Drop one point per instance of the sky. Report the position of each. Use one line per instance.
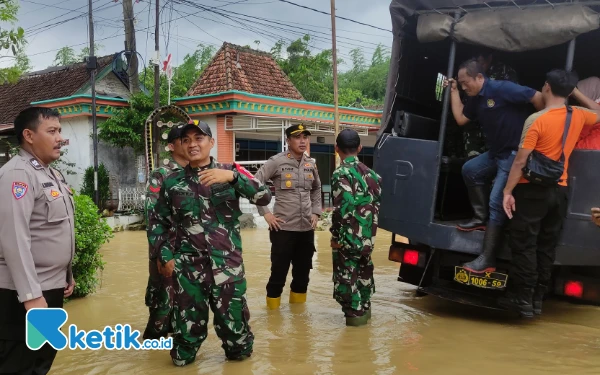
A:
(52, 24)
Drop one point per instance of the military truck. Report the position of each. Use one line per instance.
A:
(420, 150)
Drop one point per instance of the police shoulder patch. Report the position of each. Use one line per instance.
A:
(19, 189)
(35, 164)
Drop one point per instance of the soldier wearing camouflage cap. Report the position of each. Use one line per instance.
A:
(160, 291)
(203, 201)
(356, 195)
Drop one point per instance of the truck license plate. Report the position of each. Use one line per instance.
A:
(487, 280)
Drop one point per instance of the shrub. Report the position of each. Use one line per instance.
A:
(87, 188)
(91, 232)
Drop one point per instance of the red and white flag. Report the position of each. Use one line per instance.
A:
(167, 67)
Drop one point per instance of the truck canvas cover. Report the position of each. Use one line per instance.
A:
(501, 25)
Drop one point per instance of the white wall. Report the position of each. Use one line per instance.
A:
(77, 131)
(110, 85)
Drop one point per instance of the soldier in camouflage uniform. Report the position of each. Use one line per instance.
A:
(159, 292)
(356, 190)
(203, 201)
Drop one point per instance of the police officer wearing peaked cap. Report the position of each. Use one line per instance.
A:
(295, 216)
(37, 239)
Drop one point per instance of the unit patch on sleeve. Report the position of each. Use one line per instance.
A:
(19, 189)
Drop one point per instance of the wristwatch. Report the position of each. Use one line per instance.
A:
(235, 176)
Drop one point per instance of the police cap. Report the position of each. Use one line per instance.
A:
(296, 129)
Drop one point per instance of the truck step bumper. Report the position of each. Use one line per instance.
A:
(466, 298)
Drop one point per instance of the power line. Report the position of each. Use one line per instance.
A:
(329, 14)
(265, 33)
(231, 13)
(44, 24)
(36, 31)
(201, 29)
(45, 6)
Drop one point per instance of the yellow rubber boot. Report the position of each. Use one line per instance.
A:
(297, 297)
(273, 303)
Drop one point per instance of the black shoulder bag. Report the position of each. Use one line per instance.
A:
(542, 170)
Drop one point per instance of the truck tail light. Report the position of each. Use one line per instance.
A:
(573, 289)
(411, 257)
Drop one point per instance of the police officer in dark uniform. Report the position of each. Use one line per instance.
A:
(297, 209)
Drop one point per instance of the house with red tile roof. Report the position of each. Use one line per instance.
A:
(248, 101)
(67, 88)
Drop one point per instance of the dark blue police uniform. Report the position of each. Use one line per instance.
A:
(501, 107)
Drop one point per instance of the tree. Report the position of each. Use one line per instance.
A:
(313, 74)
(184, 75)
(66, 55)
(11, 39)
(126, 127)
(85, 52)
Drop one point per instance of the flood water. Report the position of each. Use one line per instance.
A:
(405, 335)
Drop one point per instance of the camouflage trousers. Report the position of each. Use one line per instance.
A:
(353, 282)
(159, 299)
(196, 292)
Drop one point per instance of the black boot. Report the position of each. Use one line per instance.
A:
(486, 262)
(538, 297)
(518, 300)
(479, 196)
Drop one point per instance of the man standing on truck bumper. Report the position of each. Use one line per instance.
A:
(501, 107)
(537, 211)
(297, 209)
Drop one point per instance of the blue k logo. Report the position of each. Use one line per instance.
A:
(43, 325)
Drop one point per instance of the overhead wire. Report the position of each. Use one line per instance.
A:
(258, 30)
(231, 14)
(329, 14)
(36, 31)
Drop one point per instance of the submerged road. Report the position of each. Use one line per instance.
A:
(406, 334)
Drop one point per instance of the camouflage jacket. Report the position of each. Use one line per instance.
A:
(205, 219)
(356, 196)
(153, 188)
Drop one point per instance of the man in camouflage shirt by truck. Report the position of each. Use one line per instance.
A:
(203, 202)
(356, 192)
(160, 291)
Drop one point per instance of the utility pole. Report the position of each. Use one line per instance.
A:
(91, 66)
(132, 59)
(157, 62)
(155, 134)
(336, 117)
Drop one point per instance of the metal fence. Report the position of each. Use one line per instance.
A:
(131, 198)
